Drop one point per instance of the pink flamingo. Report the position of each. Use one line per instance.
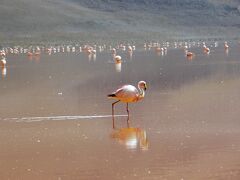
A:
(127, 94)
(3, 62)
(206, 49)
(189, 53)
(226, 45)
(118, 59)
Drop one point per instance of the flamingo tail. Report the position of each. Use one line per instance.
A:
(111, 95)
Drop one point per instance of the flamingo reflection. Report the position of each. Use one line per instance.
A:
(130, 52)
(4, 72)
(34, 55)
(130, 55)
(118, 67)
(226, 51)
(226, 47)
(132, 138)
(91, 53)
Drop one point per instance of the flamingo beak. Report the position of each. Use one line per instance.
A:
(145, 88)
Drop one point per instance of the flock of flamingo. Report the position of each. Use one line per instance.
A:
(126, 93)
(91, 50)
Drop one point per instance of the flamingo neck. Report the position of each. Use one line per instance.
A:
(141, 93)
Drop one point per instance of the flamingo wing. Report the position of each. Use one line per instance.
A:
(126, 93)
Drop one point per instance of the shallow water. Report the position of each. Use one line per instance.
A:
(56, 119)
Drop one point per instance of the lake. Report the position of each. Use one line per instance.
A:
(56, 118)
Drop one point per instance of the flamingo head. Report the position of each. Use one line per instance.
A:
(142, 85)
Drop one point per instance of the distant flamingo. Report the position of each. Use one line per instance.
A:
(2, 53)
(127, 94)
(130, 49)
(114, 52)
(3, 62)
(159, 49)
(130, 52)
(206, 49)
(188, 54)
(118, 59)
(226, 45)
(145, 46)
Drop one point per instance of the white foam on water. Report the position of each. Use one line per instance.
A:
(56, 118)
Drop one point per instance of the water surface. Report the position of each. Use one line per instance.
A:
(56, 119)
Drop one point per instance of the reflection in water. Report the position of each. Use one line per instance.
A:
(35, 57)
(207, 52)
(40, 122)
(160, 53)
(94, 57)
(130, 55)
(91, 57)
(132, 138)
(226, 51)
(4, 72)
(118, 67)
(189, 58)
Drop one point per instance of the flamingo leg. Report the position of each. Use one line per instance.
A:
(113, 112)
(128, 114)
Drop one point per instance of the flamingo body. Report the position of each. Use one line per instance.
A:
(226, 45)
(189, 54)
(3, 62)
(126, 93)
(118, 59)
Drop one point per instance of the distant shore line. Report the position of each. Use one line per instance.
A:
(101, 40)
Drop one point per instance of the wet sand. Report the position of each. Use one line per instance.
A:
(56, 120)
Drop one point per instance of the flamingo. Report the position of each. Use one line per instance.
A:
(226, 45)
(127, 94)
(2, 54)
(130, 49)
(3, 62)
(118, 59)
(114, 52)
(189, 55)
(159, 49)
(206, 49)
